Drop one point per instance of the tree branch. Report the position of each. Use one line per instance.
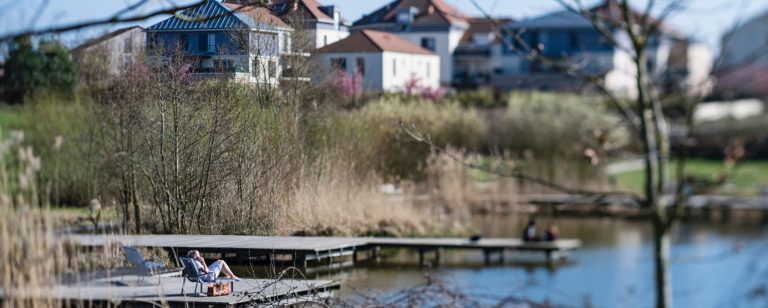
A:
(107, 21)
(534, 55)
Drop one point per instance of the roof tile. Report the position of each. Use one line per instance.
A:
(374, 41)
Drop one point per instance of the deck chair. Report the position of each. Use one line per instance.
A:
(145, 266)
(192, 273)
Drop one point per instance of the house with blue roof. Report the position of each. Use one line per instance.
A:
(569, 37)
(243, 42)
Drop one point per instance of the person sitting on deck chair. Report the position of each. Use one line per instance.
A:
(217, 267)
(551, 234)
(529, 234)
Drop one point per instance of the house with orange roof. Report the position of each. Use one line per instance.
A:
(230, 40)
(383, 61)
(323, 24)
(431, 24)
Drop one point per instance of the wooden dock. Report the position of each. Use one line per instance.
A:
(302, 249)
(133, 291)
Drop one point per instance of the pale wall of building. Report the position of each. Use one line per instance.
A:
(445, 43)
(390, 71)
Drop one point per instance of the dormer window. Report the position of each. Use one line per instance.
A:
(405, 17)
(279, 7)
(428, 43)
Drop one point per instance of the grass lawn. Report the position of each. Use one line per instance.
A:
(10, 118)
(746, 179)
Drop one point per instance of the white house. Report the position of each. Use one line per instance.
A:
(570, 37)
(384, 61)
(432, 24)
(324, 24)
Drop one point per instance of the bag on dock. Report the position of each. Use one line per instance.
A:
(219, 289)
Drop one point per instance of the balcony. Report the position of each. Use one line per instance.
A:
(465, 79)
(473, 50)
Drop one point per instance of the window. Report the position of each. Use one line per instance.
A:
(242, 40)
(255, 71)
(273, 68)
(202, 42)
(325, 40)
(211, 42)
(128, 46)
(573, 40)
(222, 65)
(361, 66)
(394, 67)
(152, 40)
(428, 43)
(339, 63)
(183, 42)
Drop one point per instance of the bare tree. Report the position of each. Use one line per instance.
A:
(645, 117)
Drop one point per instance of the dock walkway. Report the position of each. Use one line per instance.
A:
(303, 249)
(133, 291)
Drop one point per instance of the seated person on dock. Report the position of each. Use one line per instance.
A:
(551, 234)
(529, 234)
(214, 269)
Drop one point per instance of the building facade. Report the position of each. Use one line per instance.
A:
(323, 24)
(570, 39)
(383, 61)
(743, 69)
(109, 55)
(243, 42)
(432, 24)
(478, 54)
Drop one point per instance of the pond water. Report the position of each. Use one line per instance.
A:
(713, 265)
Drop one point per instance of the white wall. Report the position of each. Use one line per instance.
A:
(373, 78)
(621, 79)
(380, 74)
(331, 36)
(699, 69)
(425, 68)
(445, 43)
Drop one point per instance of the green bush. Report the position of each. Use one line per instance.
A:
(377, 141)
(485, 97)
(558, 126)
(62, 130)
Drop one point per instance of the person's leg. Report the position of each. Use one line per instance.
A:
(227, 271)
(215, 268)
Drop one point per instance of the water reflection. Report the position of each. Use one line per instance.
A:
(712, 266)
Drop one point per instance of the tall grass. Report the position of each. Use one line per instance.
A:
(383, 146)
(30, 255)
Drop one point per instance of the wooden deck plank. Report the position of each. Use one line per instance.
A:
(319, 245)
(157, 290)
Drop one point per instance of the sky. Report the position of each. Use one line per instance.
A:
(703, 20)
